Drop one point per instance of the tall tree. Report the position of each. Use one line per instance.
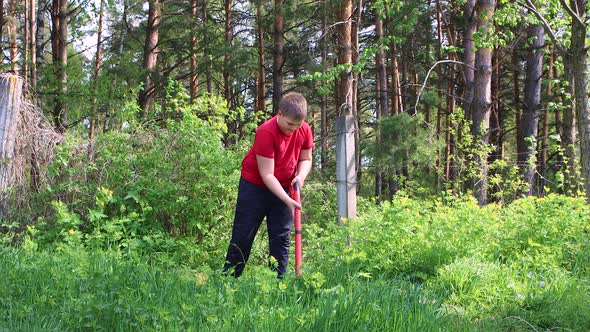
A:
(59, 45)
(579, 51)
(529, 122)
(576, 66)
(96, 73)
(150, 56)
(11, 29)
(324, 101)
(278, 56)
(344, 43)
(40, 35)
(26, 44)
(33, 42)
(469, 55)
(206, 48)
(482, 99)
(260, 104)
(382, 107)
(194, 83)
(227, 86)
(1, 25)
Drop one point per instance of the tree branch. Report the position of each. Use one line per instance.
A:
(572, 13)
(428, 75)
(531, 6)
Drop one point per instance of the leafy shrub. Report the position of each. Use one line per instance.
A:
(178, 179)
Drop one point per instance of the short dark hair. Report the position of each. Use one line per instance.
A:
(293, 105)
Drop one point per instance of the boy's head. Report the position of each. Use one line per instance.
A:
(294, 106)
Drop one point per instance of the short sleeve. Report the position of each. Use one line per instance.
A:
(264, 144)
(308, 142)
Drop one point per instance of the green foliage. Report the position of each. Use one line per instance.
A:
(177, 179)
(445, 264)
(405, 140)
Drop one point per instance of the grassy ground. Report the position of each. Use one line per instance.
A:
(405, 266)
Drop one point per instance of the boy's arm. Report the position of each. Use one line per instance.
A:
(266, 167)
(303, 167)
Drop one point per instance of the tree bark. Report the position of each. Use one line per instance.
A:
(278, 56)
(40, 35)
(382, 107)
(150, 57)
(260, 77)
(580, 65)
(469, 55)
(206, 50)
(194, 85)
(59, 45)
(529, 123)
(569, 133)
(544, 144)
(324, 105)
(33, 42)
(26, 42)
(344, 31)
(496, 121)
(228, 36)
(1, 25)
(96, 73)
(11, 29)
(482, 99)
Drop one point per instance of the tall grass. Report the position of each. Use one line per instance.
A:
(78, 290)
(408, 265)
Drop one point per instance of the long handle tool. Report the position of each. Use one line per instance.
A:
(297, 220)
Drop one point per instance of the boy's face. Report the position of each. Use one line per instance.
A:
(288, 124)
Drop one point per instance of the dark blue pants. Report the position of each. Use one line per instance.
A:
(254, 203)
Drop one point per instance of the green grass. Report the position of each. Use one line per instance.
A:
(76, 290)
(405, 266)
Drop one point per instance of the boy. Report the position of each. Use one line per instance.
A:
(280, 156)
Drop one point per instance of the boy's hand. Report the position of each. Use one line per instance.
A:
(292, 204)
(299, 180)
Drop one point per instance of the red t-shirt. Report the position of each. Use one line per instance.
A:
(271, 142)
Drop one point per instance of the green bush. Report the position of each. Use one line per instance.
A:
(178, 179)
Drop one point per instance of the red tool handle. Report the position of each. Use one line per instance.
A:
(297, 220)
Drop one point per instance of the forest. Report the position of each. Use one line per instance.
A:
(123, 124)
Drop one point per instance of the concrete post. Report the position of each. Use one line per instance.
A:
(10, 98)
(345, 168)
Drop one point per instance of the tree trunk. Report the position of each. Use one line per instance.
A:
(324, 106)
(482, 99)
(11, 29)
(469, 55)
(59, 45)
(33, 42)
(496, 125)
(529, 122)
(278, 57)
(344, 31)
(40, 38)
(26, 42)
(356, 101)
(10, 99)
(150, 57)
(580, 64)
(97, 67)
(1, 25)
(382, 107)
(228, 36)
(194, 85)
(542, 169)
(260, 77)
(206, 50)
(568, 132)
(451, 101)
(396, 92)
